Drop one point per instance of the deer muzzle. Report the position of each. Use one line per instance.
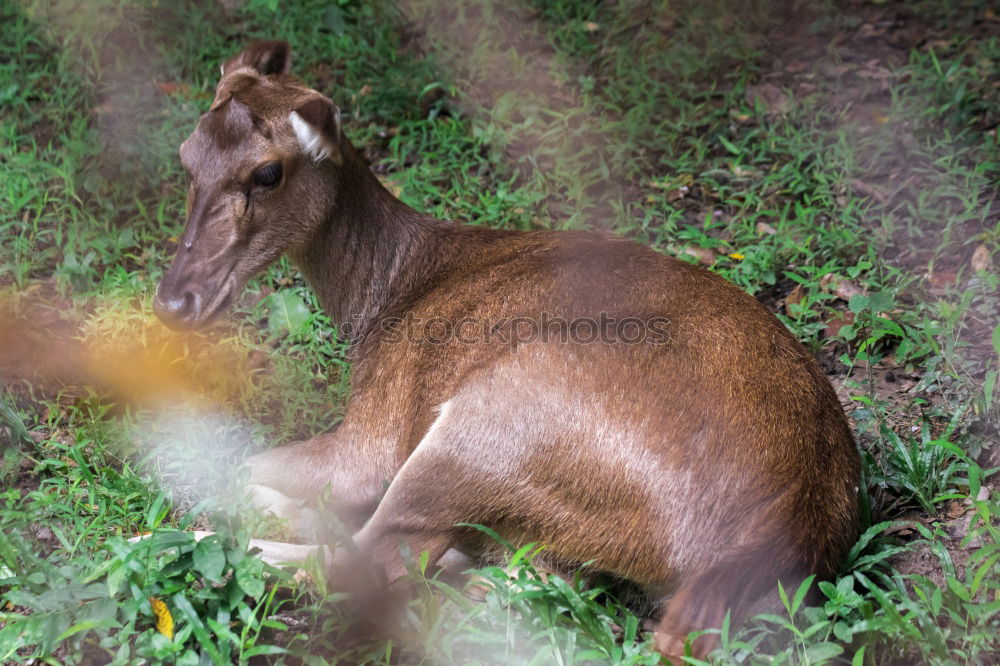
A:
(184, 303)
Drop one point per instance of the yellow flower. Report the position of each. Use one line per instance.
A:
(164, 620)
(737, 256)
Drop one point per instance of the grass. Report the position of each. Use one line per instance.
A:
(857, 218)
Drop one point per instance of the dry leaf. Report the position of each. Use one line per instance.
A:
(703, 254)
(794, 297)
(836, 71)
(981, 259)
(904, 524)
(837, 321)
(772, 98)
(867, 189)
(876, 72)
(847, 289)
(172, 87)
(678, 194)
(943, 278)
(765, 228)
(590, 26)
(954, 509)
(936, 45)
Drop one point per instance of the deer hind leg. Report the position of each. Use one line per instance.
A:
(731, 586)
(415, 516)
(441, 484)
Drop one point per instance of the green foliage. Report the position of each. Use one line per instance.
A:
(644, 127)
(102, 609)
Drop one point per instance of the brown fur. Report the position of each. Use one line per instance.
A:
(704, 468)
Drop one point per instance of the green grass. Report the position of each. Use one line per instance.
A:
(857, 227)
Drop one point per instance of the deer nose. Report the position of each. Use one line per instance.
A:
(176, 310)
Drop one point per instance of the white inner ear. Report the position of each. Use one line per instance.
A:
(311, 141)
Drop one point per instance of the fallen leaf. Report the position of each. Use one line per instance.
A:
(772, 99)
(942, 278)
(904, 524)
(954, 509)
(981, 259)
(876, 73)
(794, 297)
(867, 189)
(937, 44)
(590, 26)
(172, 87)
(836, 71)
(765, 228)
(847, 289)
(837, 321)
(704, 255)
(678, 194)
(957, 528)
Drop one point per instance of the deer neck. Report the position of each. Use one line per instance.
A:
(371, 251)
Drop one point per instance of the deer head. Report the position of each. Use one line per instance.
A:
(259, 165)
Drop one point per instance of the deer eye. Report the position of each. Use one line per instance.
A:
(268, 175)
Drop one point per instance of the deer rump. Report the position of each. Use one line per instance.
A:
(572, 389)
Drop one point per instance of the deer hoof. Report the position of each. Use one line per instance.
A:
(670, 645)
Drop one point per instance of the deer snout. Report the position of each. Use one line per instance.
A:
(179, 310)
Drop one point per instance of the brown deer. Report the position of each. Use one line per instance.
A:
(582, 391)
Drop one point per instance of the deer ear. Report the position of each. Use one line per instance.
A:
(267, 57)
(317, 127)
